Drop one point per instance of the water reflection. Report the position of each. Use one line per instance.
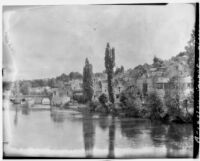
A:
(57, 116)
(132, 128)
(111, 153)
(103, 121)
(16, 116)
(88, 134)
(100, 133)
(25, 109)
(179, 138)
(158, 133)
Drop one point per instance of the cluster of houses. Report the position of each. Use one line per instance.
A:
(156, 79)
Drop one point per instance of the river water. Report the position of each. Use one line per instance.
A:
(70, 133)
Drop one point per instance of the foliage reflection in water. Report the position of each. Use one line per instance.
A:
(96, 135)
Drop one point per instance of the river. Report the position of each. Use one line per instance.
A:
(70, 133)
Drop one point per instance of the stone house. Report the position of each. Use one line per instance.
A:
(145, 85)
(183, 88)
(76, 84)
(97, 87)
(46, 101)
(161, 85)
(119, 87)
(104, 87)
(61, 95)
(101, 86)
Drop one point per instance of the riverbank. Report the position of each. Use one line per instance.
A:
(143, 113)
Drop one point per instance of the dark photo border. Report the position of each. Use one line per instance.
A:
(196, 92)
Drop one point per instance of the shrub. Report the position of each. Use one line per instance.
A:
(172, 104)
(79, 98)
(155, 106)
(93, 105)
(103, 99)
(131, 102)
(179, 109)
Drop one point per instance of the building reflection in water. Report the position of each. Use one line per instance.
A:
(57, 116)
(25, 109)
(103, 121)
(16, 115)
(88, 134)
(111, 147)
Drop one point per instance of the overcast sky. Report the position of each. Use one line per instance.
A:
(46, 41)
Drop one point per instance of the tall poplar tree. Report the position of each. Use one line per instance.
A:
(87, 81)
(109, 65)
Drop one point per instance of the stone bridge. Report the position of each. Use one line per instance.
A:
(37, 99)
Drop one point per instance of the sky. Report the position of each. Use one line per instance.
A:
(46, 41)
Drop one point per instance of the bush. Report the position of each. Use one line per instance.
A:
(93, 105)
(178, 109)
(155, 106)
(172, 105)
(131, 102)
(103, 99)
(79, 98)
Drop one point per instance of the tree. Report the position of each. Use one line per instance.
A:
(75, 75)
(109, 65)
(25, 88)
(157, 62)
(190, 50)
(87, 81)
(6, 85)
(103, 100)
(138, 71)
(131, 101)
(155, 106)
(63, 77)
(119, 70)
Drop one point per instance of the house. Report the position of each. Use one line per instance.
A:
(184, 87)
(61, 95)
(119, 86)
(46, 101)
(76, 84)
(145, 85)
(38, 100)
(97, 87)
(161, 85)
(153, 81)
(104, 87)
(101, 86)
